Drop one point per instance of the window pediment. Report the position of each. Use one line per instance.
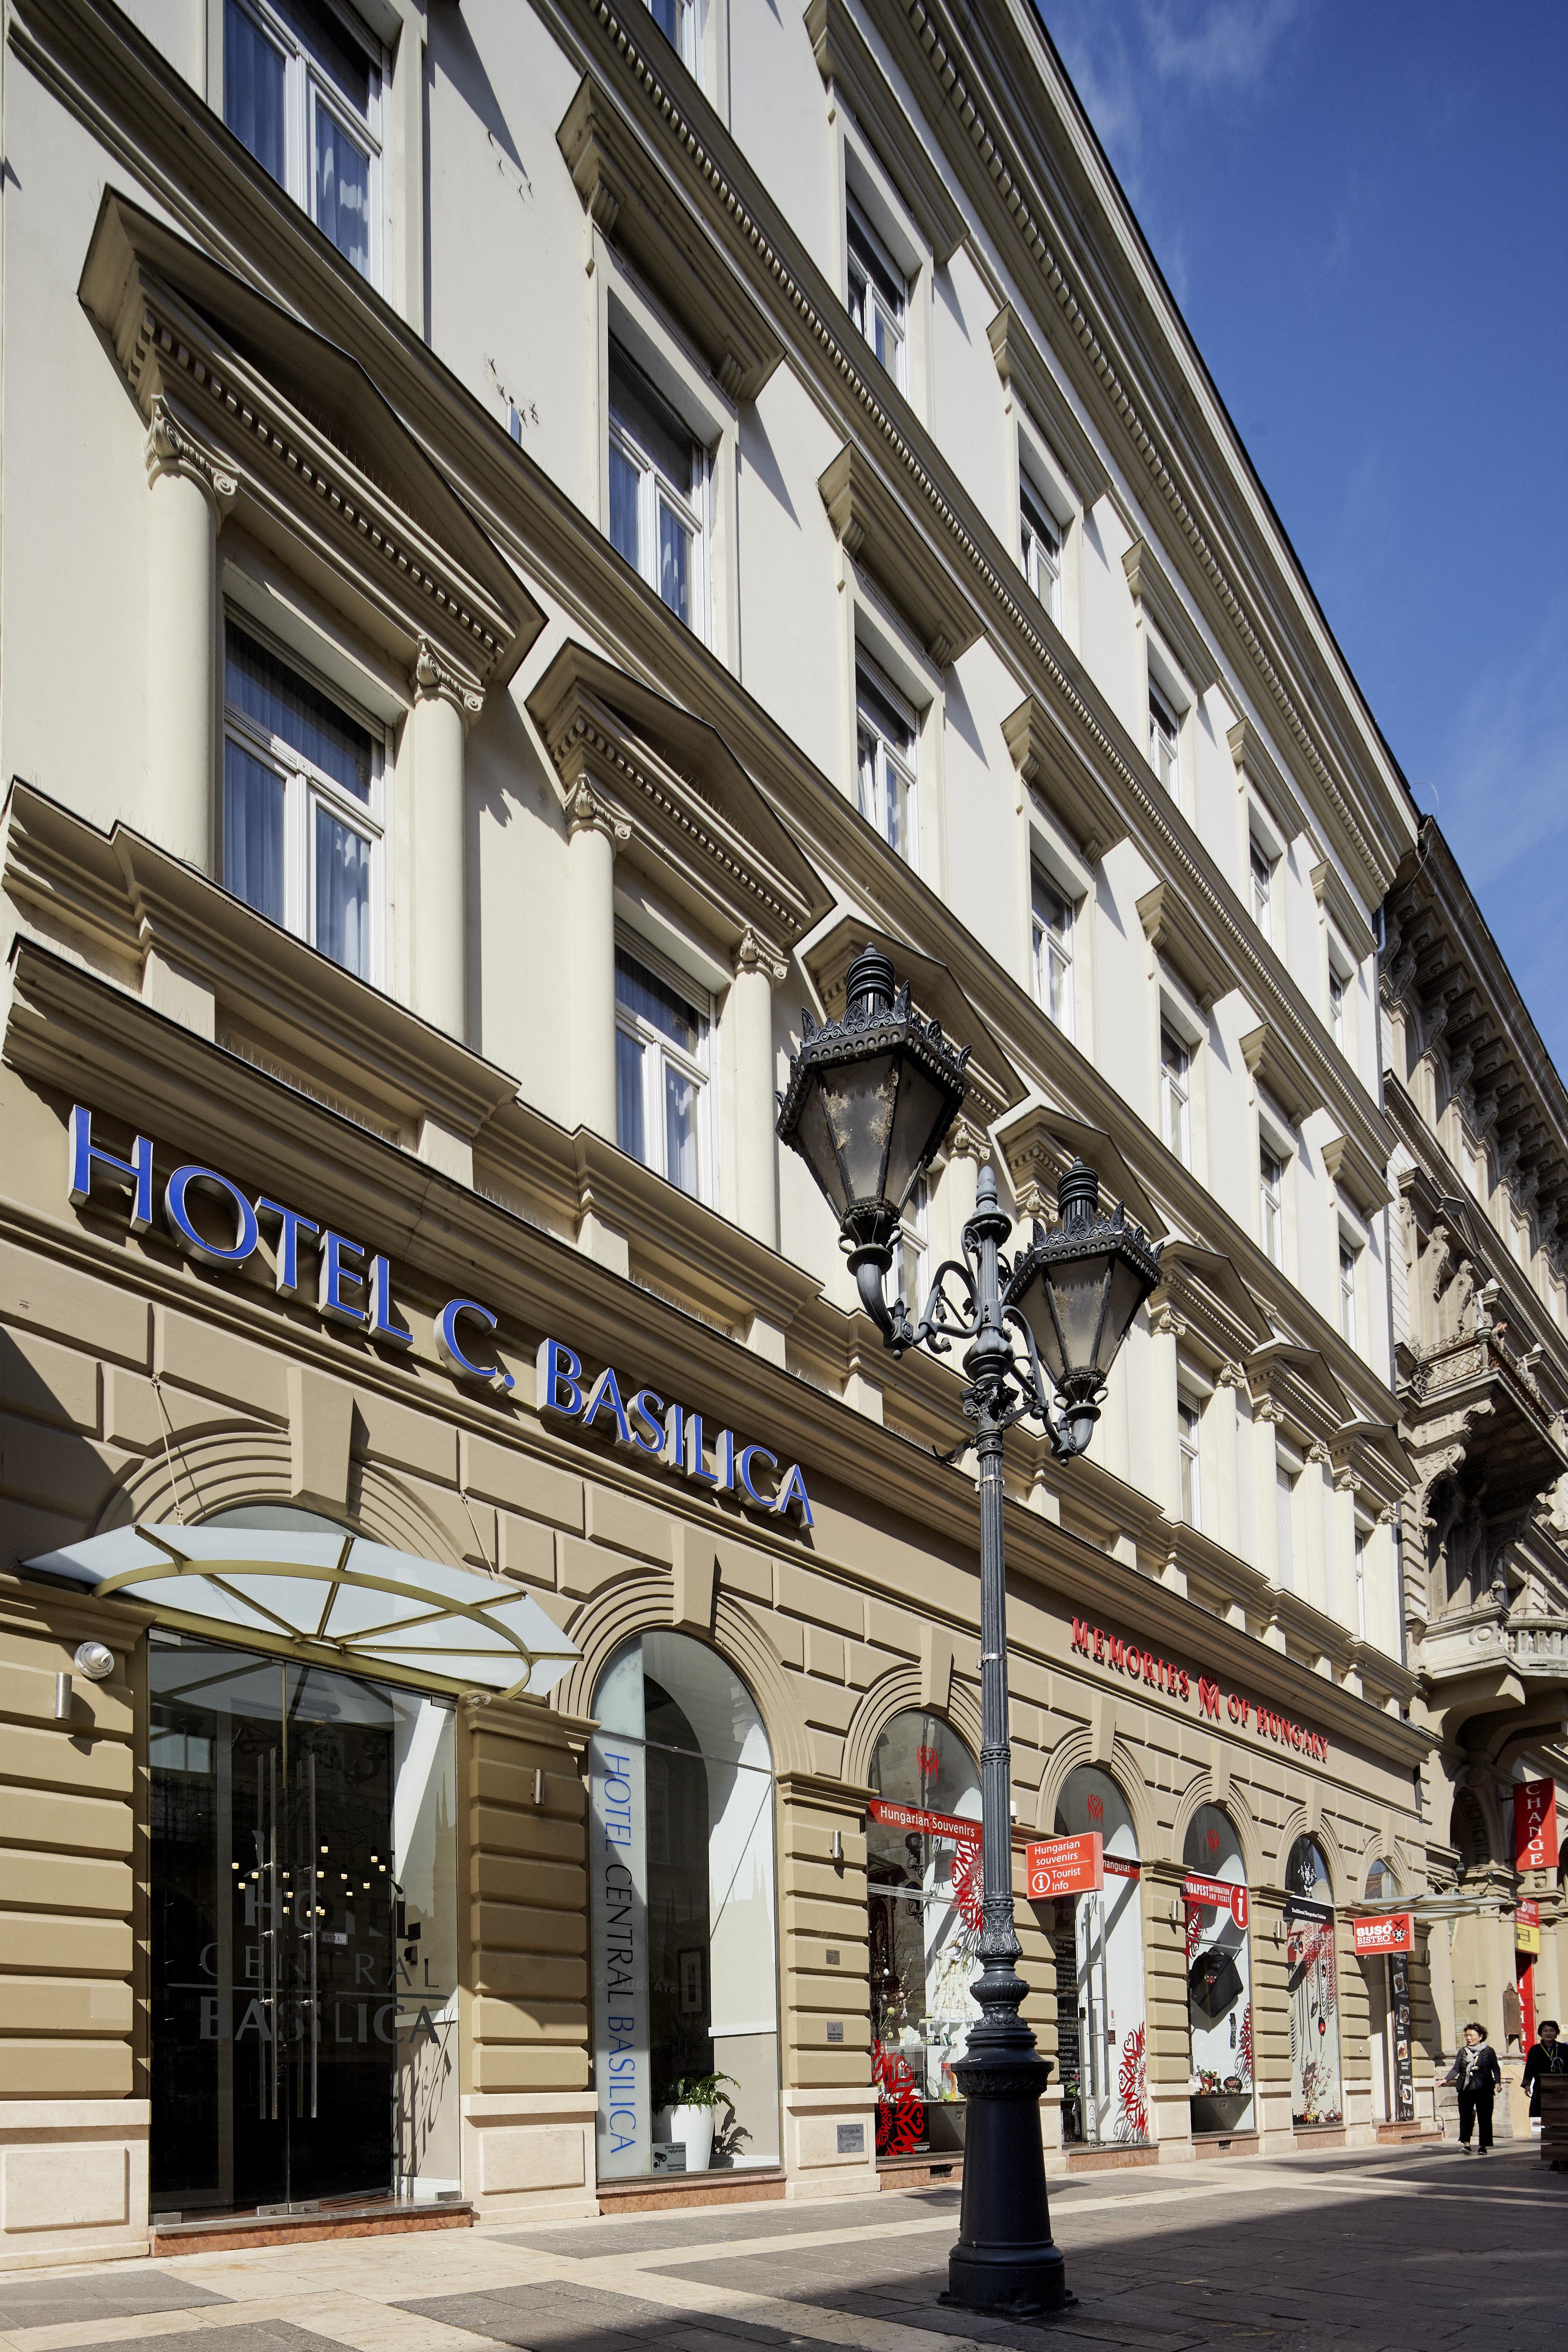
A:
(294, 431)
(1042, 1142)
(1152, 588)
(1050, 765)
(1024, 371)
(673, 781)
(1352, 1170)
(643, 216)
(1205, 1290)
(1179, 939)
(1282, 1072)
(870, 524)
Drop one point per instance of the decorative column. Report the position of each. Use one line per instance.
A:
(444, 707)
(190, 491)
(968, 1149)
(1229, 1381)
(592, 834)
(758, 969)
(1266, 1416)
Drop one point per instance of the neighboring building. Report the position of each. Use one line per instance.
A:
(530, 534)
(1480, 1319)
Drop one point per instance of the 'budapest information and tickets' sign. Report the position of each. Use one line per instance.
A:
(1217, 1894)
(1065, 1866)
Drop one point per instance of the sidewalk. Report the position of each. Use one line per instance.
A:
(1408, 2249)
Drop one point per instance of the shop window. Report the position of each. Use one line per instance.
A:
(879, 295)
(1052, 928)
(1042, 541)
(658, 492)
(1313, 1987)
(302, 89)
(1177, 1093)
(923, 1890)
(684, 1937)
(1219, 1975)
(887, 732)
(303, 823)
(661, 1073)
(303, 1929)
(1099, 1944)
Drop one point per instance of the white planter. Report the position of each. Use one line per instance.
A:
(695, 2126)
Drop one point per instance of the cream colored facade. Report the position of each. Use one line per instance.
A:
(400, 481)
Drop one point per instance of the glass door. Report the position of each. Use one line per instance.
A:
(303, 1936)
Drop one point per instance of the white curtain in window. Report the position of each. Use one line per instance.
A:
(343, 894)
(253, 802)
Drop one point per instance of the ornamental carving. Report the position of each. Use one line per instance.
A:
(172, 449)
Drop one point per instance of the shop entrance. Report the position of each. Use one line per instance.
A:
(1099, 1944)
(1313, 1987)
(303, 1936)
(1219, 1976)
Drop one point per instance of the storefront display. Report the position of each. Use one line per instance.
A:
(303, 1932)
(1098, 1945)
(922, 1839)
(681, 1865)
(1313, 1987)
(1219, 1975)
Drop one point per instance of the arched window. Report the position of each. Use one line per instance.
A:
(1098, 1945)
(923, 1865)
(1219, 1975)
(1312, 1985)
(681, 1864)
(1381, 1882)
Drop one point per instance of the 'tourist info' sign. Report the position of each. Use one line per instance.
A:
(1142, 1665)
(353, 1287)
(1065, 1866)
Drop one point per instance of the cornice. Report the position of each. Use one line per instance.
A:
(1351, 1170)
(1282, 1072)
(1181, 941)
(1051, 765)
(942, 74)
(1153, 591)
(1359, 938)
(625, 193)
(1255, 761)
(876, 532)
(845, 62)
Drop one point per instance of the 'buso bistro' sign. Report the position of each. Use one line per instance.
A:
(1141, 1666)
(355, 1288)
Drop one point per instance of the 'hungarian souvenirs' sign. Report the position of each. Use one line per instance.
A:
(1065, 1866)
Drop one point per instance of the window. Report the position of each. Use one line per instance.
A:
(1271, 1203)
(879, 295)
(677, 20)
(1042, 540)
(1163, 733)
(303, 827)
(1052, 925)
(886, 729)
(1337, 1007)
(1285, 1506)
(1188, 1426)
(304, 92)
(1262, 890)
(910, 1244)
(1175, 1094)
(1361, 1591)
(661, 1074)
(658, 484)
(1347, 1292)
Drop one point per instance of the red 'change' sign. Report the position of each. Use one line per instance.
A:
(1535, 1825)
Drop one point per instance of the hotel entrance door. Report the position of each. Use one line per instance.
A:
(303, 1937)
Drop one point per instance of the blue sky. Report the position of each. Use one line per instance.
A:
(1359, 206)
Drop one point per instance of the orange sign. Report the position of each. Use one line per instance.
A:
(1535, 1825)
(1393, 1933)
(1217, 1894)
(1065, 1866)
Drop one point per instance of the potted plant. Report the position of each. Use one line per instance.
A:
(694, 2101)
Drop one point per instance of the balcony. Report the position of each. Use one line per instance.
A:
(1471, 1393)
(1504, 1679)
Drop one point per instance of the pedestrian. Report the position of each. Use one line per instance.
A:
(1478, 2078)
(1548, 2055)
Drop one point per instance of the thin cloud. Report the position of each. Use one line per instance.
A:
(1225, 45)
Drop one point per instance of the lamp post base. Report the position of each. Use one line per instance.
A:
(1006, 2261)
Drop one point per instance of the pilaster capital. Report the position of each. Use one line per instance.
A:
(1167, 1324)
(967, 1142)
(1230, 1375)
(173, 448)
(1268, 1409)
(1346, 1480)
(433, 679)
(587, 811)
(1319, 1453)
(755, 953)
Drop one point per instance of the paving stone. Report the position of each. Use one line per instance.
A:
(115, 2291)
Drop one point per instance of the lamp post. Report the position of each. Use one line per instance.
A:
(869, 1099)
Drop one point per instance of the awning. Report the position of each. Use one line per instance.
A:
(350, 1602)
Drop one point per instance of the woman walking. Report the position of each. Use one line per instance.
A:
(1478, 2078)
(1548, 2055)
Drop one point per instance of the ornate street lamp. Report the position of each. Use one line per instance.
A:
(870, 1100)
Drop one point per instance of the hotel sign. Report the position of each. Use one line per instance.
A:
(216, 1224)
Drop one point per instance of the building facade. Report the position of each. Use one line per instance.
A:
(1480, 1317)
(588, 517)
